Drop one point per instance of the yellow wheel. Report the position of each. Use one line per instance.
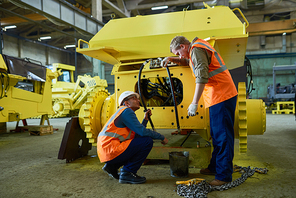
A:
(108, 109)
(60, 107)
(242, 117)
(90, 114)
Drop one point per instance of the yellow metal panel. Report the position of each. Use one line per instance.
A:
(103, 54)
(45, 107)
(25, 95)
(2, 63)
(57, 66)
(232, 50)
(144, 37)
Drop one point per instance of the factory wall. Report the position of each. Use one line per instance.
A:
(262, 70)
(25, 49)
(264, 57)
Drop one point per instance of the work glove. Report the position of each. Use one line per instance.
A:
(164, 62)
(192, 109)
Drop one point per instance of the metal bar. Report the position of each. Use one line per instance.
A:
(267, 54)
(274, 86)
(174, 99)
(287, 95)
(186, 138)
(284, 67)
(114, 8)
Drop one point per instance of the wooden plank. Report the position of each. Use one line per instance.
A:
(40, 129)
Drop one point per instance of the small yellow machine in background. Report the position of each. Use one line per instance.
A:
(68, 96)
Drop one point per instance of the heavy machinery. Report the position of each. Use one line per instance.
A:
(136, 46)
(25, 89)
(68, 96)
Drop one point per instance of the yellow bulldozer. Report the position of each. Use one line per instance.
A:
(25, 89)
(67, 95)
(136, 46)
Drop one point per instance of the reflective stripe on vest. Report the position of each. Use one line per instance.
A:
(216, 71)
(115, 135)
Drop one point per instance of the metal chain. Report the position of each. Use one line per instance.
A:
(201, 189)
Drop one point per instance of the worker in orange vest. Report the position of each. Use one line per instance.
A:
(214, 82)
(124, 141)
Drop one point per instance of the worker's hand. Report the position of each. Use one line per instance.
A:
(192, 109)
(165, 62)
(165, 141)
(148, 113)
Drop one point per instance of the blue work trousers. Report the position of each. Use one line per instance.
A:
(135, 154)
(222, 132)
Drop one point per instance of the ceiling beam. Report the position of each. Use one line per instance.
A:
(269, 11)
(65, 13)
(16, 20)
(114, 8)
(41, 24)
(272, 27)
(122, 6)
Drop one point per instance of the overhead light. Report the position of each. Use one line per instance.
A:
(284, 33)
(69, 46)
(9, 27)
(159, 7)
(45, 37)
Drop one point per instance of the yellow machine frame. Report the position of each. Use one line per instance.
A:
(128, 43)
(20, 104)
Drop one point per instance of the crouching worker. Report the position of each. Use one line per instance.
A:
(124, 141)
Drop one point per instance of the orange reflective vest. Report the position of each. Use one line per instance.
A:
(112, 141)
(220, 86)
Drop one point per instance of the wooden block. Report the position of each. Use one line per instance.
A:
(40, 129)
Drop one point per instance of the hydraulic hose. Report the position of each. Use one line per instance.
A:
(174, 99)
(141, 96)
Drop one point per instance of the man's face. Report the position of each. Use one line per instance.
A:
(133, 103)
(182, 52)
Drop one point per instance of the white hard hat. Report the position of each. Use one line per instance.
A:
(125, 95)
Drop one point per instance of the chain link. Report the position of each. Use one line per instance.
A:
(202, 189)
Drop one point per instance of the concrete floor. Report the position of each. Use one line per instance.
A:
(30, 168)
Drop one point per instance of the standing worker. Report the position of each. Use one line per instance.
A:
(214, 81)
(124, 141)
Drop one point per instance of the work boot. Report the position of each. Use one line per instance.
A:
(111, 171)
(217, 182)
(206, 171)
(130, 178)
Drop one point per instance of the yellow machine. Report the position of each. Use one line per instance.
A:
(67, 95)
(143, 41)
(25, 89)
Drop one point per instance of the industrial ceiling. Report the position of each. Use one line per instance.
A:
(58, 23)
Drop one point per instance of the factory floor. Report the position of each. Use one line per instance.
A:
(30, 168)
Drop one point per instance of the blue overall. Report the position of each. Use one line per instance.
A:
(139, 148)
(222, 132)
